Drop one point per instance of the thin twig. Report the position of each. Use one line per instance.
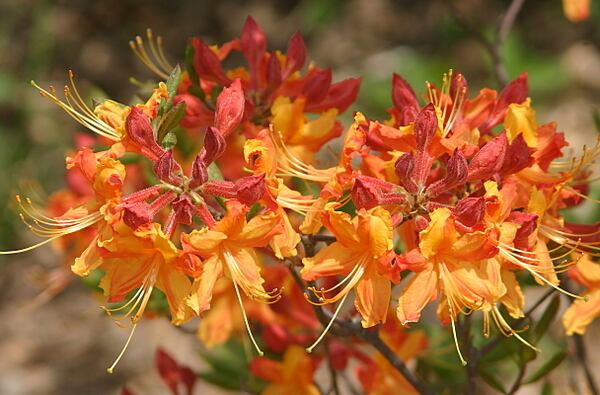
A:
(518, 381)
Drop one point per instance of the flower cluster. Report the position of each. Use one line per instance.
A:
(215, 190)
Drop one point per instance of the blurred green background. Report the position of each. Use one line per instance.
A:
(41, 40)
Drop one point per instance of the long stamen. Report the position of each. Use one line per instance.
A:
(331, 321)
(508, 331)
(252, 339)
(451, 311)
(351, 279)
(158, 63)
(112, 367)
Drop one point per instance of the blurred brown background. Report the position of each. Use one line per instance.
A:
(65, 346)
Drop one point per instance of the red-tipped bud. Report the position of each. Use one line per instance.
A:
(341, 95)
(196, 113)
(250, 189)
(489, 160)
(137, 214)
(199, 170)
(316, 85)
(403, 95)
(253, 42)
(458, 86)
(273, 73)
(469, 212)
(365, 194)
(140, 131)
(214, 145)
(167, 169)
(518, 156)
(528, 224)
(296, 54)
(457, 172)
(404, 170)
(425, 127)
(207, 63)
(230, 108)
(184, 210)
(226, 189)
(409, 115)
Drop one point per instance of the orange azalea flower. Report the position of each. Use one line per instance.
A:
(576, 10)
(228, 249)
(361, 243)
(293, 375)
(583, 311)
(104, 174)
(456, 265)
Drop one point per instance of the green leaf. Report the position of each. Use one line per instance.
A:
(228, 359)
(214, 173)
(221, 379)
(547, 367)
(169, 141)
(170, 120)
(189, 66)
(173, 81)
(541, 326)
(491, 379)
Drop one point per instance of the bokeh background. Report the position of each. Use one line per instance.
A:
(64, 346)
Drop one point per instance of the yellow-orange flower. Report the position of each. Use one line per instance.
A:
(361, 242)
(583, 311)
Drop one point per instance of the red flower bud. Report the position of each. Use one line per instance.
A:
(457, 172)
(403, 95)
(518, 156)
(316, 84)
(174, 375)
(199, 170)
(250, 189)
(137, 214)
(230, 108)
(140, 132)
(365, 194)
(489, 160)
(469, 212)
(184, 210)
(295, 55)
(340, 95)
(425, 127)
(404, 170)
(196, 113)
(207, 63)
(167, 169)
(214, 145)
(225, 189)
(421, 223)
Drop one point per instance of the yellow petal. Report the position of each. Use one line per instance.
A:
(373, 299)
(340, 224)
(513, 299)
(439, 236)
(520, 118)
(176, 287)
(205, 241)
(259, 231)
(375, 231)
(284, 244)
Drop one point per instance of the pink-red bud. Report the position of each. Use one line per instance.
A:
(250, 189)
(469, 212)
(137, 214)
(489, 160)
(230, 108)
(425, 127)
(295, 55)
(403, 95)
(404, 170)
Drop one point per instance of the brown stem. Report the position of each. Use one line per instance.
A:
(518, 381)
(582, 356)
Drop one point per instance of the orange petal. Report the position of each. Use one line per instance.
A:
(340, 224)
(202, 289)
(284, 244)
(375, 231)
(421, 290)
(259, 231)
(373, 299)
(332, 260)
(176, 287)
(513, 299)
(204, 241)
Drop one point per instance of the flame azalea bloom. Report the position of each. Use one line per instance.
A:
(361, 243)
(582, 312)
(293, 375)
(228, 249)
(457, 267)
(576, 10)
(104, 174)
